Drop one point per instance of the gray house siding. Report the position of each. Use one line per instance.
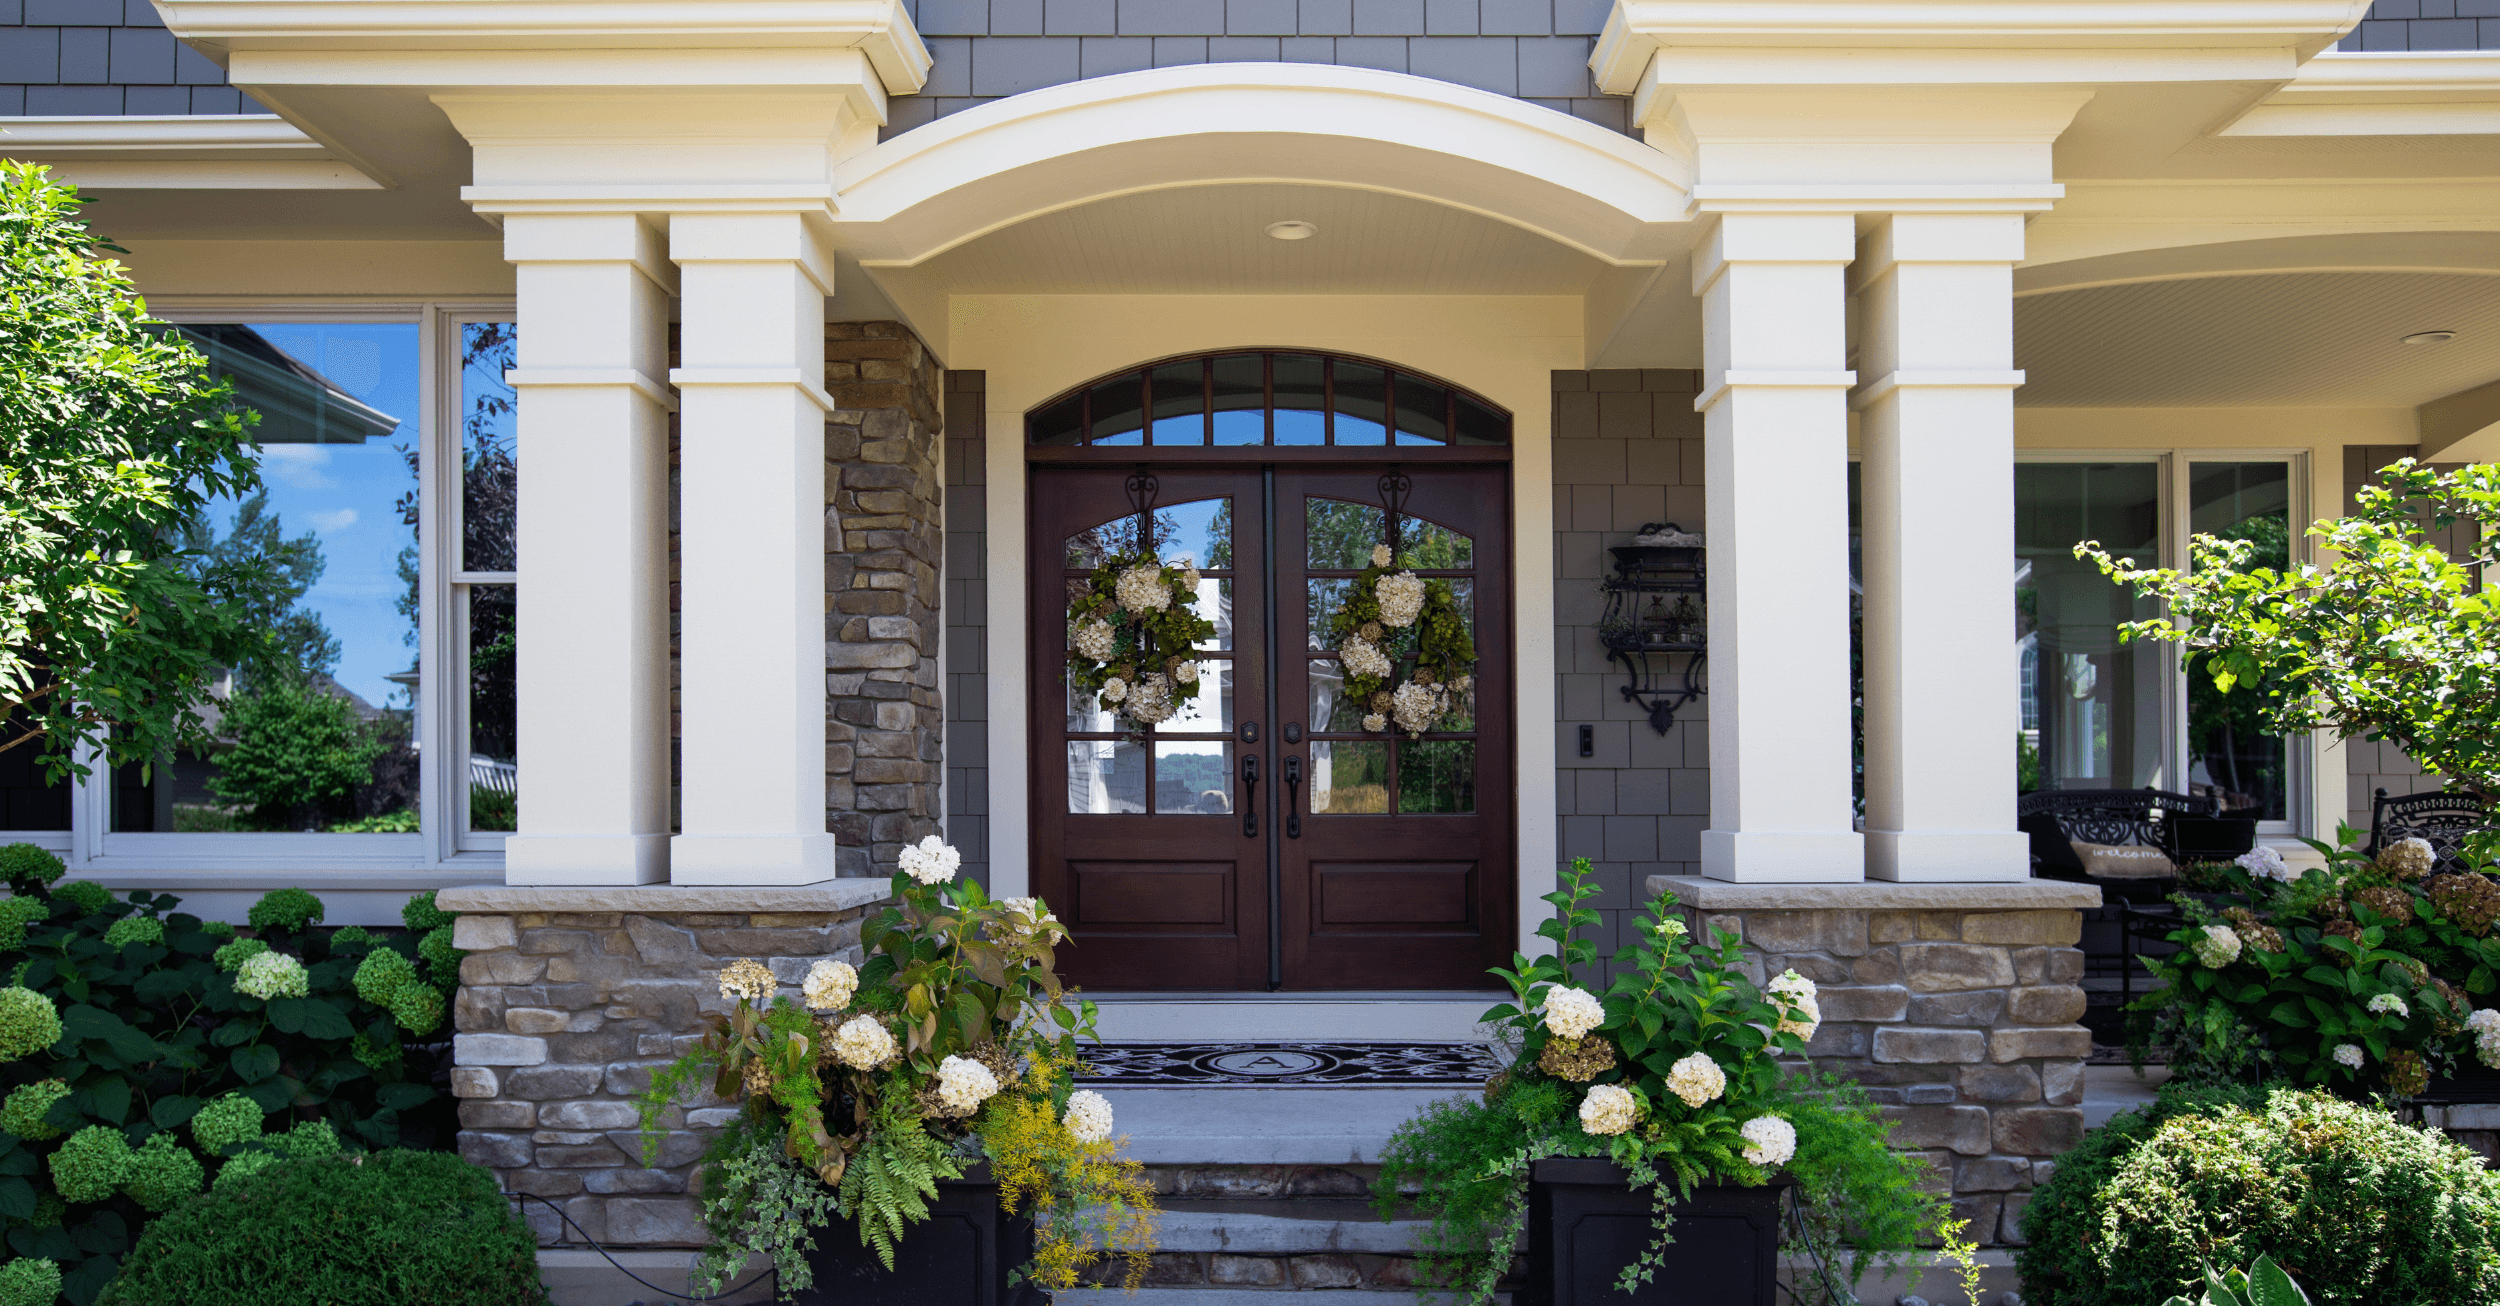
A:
(1535, 50)
(2428, 25)
(1627, 451)
(965, 671)
(96, 58)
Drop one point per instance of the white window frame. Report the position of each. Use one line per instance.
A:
(443, 854)
(2172, 547)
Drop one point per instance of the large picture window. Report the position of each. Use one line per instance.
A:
(373, 730)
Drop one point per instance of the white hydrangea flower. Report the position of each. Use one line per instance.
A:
(1570, 1012)
(1151, 701)
(2219, 948)
(1401, 599)
(1362, 659)
(1095, 640)
(270, 975)
(1026, 916)
(2487, 1050)
(829, 985)
(1375, 723)
(2348, 1055)
(1696, 1079)
(746, 978)
(964, 1085)
(1380, 555)
(2266, 863)
(2484, 1020)
(1191, 578)
(1184, 673)
(1142, 589)
(1800, 1012)
(1769, 1140)
(1088, 1118)
(930, 861)
(1673, 927)
(1114, 689)
(1463, 684)
(863, 1043)
(1416, 707)
(2389, 1002)
(1609, 1109)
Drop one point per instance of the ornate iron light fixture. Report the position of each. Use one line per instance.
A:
(1656, 612)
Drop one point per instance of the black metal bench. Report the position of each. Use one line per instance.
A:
(2441, 818)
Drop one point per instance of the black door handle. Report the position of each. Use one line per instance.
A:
(1293, 797)
(1250, 796)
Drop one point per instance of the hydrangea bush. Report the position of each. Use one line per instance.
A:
(956, 1044)
(1676, 1074)
(146, 1054)
(2363, 975)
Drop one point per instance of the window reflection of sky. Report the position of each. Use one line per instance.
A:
(347, 494)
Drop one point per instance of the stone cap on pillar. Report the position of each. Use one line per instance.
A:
(1876, 895)
(653, 899)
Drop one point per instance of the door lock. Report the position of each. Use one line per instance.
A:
(1293, 797)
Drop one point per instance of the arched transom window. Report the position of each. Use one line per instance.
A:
(1268, 398)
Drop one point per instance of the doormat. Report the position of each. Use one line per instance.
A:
(1267, 1065)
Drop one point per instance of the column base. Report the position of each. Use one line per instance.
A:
(555, 859)
(1783, 857)
(1948, 856)
(751, 858)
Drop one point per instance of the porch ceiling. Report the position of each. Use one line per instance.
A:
(2271, 339)
(1212, 240)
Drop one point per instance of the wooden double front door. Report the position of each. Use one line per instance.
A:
(1262, 838)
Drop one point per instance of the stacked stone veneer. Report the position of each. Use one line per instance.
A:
(1955, 1005)
(571, 999)
(884, 539)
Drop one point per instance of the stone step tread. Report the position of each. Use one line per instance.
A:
(1204, 1296)
(1265, 1234)
(1264, 1126)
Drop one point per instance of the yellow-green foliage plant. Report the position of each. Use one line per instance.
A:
(956, 1044)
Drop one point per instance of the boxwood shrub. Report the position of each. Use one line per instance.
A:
(144, 1053)
(2359, 1207)
(392, 1228)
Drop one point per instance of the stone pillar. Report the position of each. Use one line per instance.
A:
(1936, 346)
(1954, 1004)
(1775, 439)
(752, 514)
(884, 541)
(593, 665)
(570, 1000)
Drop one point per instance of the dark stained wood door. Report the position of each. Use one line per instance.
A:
(1359, 861)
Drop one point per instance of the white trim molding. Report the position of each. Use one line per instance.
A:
(181, 152)
(2427, 93)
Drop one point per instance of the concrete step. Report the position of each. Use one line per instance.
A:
(1284, 1227)
(1250, 1297)
(1264, 1126)
(1290, 1018)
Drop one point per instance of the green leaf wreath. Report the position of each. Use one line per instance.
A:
(1133, 636)
(1394, 617)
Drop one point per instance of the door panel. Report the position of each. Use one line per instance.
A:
(1388, 859)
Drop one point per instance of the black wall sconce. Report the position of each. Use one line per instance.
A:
(1657, 612)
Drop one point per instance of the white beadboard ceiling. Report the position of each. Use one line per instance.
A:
(1212, 240)
(2326, 339)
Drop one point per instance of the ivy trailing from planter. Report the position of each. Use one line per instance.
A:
(145, 1052)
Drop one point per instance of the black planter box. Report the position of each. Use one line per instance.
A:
(960, 1256)
(1585, 1223)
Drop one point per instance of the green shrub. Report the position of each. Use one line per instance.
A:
(30, 1282)
(30, 870)
(390, 1229)
(142, 1060)
(297, 749)
(2363, 1209)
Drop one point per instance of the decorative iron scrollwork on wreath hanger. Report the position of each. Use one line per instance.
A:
(1656, 610)
(1142, 488)
(1393, 486)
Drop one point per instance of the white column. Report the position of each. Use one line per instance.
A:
(592, 662)
(1936, 346)
(1776, 440)
(751, 478)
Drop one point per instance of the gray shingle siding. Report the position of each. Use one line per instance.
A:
(2428, 25)
(966, 666)
(97, 58)
(1536, 50)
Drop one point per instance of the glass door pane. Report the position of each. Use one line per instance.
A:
(2093, 709)
(2232, 755)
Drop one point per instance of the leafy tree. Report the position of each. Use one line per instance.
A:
(112, 436)
(296, 750)
(2394, 640)
(298, 646)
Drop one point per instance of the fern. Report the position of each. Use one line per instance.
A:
(891, 1181)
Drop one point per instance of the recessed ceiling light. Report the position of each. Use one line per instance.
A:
(1293, 230)
(2426, 337)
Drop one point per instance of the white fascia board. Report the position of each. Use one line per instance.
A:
(173, 137)
(2431, 93)
(1905, 34)
(879, 28)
